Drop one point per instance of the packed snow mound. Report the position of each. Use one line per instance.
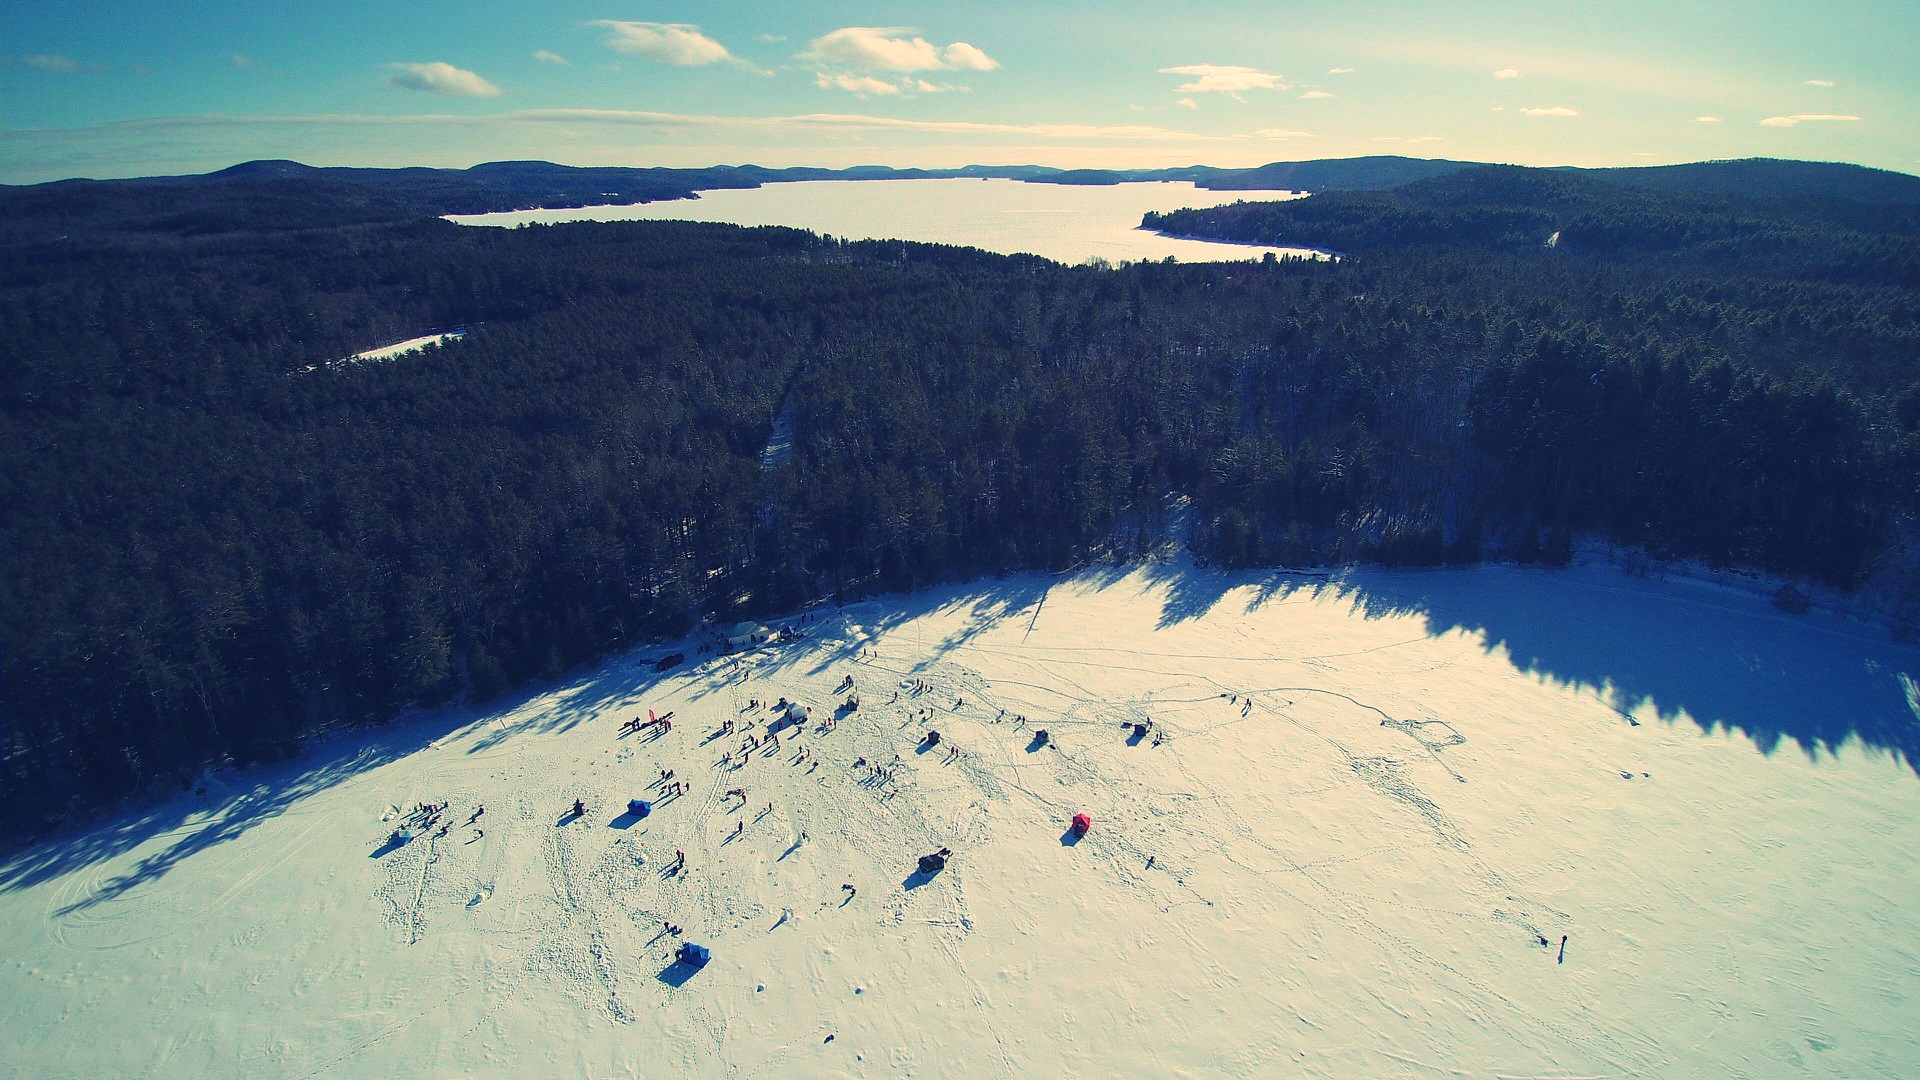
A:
(1481, 823)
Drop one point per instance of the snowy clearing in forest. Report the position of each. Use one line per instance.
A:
(1360, 821)
(401, 348)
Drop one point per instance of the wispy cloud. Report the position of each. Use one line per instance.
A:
(1187, 103)
(1507, 73)
(893, 48)
(1284, 133)
(1706, 119)
(65, 65)
(1803, 118)
(1819, 82)
(241, 60)
(1225, 79)
(1556, 110)
(863, 85)
(440, 77)
(680, 44)
(1339, 71)
(547, 57)
(1316, 95)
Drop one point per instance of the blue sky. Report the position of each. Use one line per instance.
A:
(92, 88)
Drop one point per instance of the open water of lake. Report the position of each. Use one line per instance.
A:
(1056, 221)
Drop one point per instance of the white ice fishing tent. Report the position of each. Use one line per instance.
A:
(797, 713)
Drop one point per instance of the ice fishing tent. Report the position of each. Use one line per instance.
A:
(639, 807)
(797, 713)
(1081, 824)
(934, 863)
(691, 954)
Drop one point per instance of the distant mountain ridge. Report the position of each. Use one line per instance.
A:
(520, 185)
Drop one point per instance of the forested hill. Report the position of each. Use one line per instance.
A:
(220, 539)
(1505, 208)
(259, 195)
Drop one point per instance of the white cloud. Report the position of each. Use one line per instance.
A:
(893, 48)
(1706, 119)
(1225, 79)
(1819, 82)
(1187, 103)
(863, 85)
(1801, 118)
(1315, 95)
(1339, 71)
(546, 57)
(1507, 73)
(680, 44)
(1557, 110)
(961, 56)
(440, 77)
(1284, 133)
(241, 60)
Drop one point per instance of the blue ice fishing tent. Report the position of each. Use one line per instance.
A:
(639, 807)
(696, 955)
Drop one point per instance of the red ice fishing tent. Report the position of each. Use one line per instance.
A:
(1081, 823)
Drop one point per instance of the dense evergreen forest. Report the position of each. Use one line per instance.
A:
(221, 539)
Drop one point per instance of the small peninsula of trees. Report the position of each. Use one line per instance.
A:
(221, 539)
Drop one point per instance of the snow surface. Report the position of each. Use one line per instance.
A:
(401, 348)
(1363, 806)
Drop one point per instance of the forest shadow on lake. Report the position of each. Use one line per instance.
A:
(1683, 651)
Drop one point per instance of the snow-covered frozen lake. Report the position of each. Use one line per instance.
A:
(1365, 816)
(1066, 223)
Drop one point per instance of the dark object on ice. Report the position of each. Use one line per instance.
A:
(933, 738)
(1040, 736)
(1140, 731)
(579, 808)
(691, 954)
(639, 807)
(396, 839)
(1081, 824)
(668, 663)
(1563, 950)
(936, 862)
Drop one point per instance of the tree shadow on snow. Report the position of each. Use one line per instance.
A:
(1681, 649)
